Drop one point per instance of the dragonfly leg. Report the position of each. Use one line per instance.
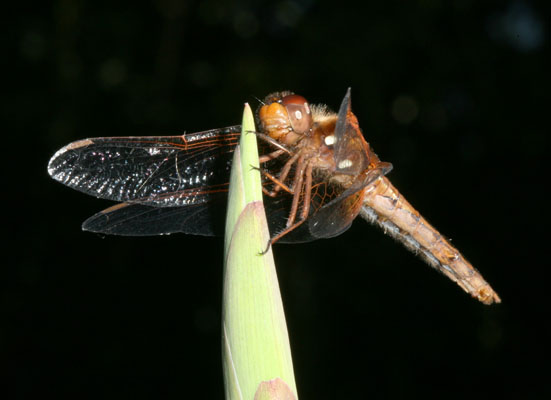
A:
(307, 193)
(272, 142)
(292, 224)
(270, 156)
(297, 190)
(279, 183)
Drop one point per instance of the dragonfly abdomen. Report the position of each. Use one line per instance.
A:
(385, 207)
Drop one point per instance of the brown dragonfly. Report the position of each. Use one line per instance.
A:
(319, 175)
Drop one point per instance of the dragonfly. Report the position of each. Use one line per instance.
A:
(319, 174)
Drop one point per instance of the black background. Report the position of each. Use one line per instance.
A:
(454, 93)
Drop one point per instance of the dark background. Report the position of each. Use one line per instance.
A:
(454, 93)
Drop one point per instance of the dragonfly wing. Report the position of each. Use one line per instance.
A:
(352, 157)
(351, 152)
(166, 171)
(133, 219)
(207, 219)
(336, 216)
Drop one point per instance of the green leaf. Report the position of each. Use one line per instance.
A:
(255, 341)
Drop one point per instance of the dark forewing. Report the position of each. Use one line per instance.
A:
(166, 171)
(350, 150)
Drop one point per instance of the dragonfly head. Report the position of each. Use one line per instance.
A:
(286, 117)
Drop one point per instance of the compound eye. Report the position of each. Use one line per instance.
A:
(300, 115)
